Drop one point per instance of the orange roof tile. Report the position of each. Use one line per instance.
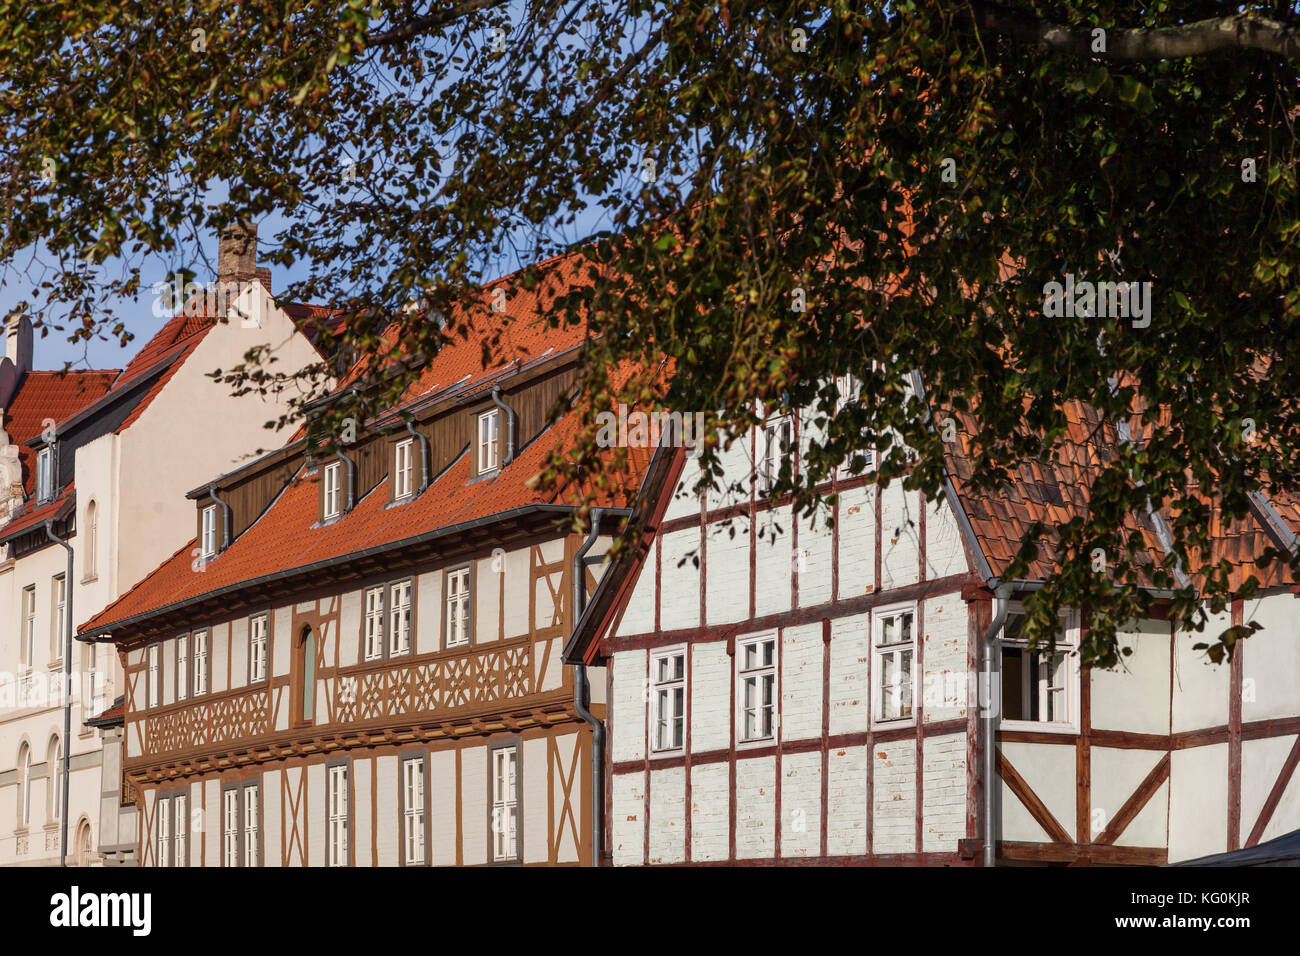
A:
(45, 396)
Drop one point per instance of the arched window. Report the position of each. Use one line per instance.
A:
(25, 785)
(92, 540)
(83, 844)
(56, 777)
(307, 674)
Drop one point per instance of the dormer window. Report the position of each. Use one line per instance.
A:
(45, 474)
(488, 440)
(208, 535)
(404, 469)
(332, 506)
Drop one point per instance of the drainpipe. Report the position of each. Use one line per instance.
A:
(510, 426)
(225, 521)
(352, 480)
(67, 687)
(582, 697)
(425, 454)
(991, 711)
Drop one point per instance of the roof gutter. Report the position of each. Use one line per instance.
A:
(67, 688)
(426, 453)
(225, 521)
(582, 696)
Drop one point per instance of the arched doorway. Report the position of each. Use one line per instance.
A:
(82, 845)
(307, 675)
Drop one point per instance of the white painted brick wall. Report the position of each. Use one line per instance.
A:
(627, 742)
(680, 595)
(943, 793)
(639, 615)
(737, 463)
(628, 823)
(946, 638)
(813, 561)
(801, 682)
(944, 554)
(710, 812)
(684, 501)
(846, 794)
(900, 556)
(727, 583)
(894, 814)
(668, 815)
(849, 710)
(774, 558)
(801, 801)
(755, 807)
(710, 710)
(857, 541)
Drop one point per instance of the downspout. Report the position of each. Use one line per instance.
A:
(67, 688)
(582, 697)
(225, 523)
(992, 708)
(352, 480)
(510, 426)
(425, 454)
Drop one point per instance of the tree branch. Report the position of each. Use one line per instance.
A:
(1239, 32)
(430, 21)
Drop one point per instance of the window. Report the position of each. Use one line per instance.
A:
(252, 824)
(92, 540)
(230, 827)
(849, 388)
(374, 625)
(777, 442)
(153, 682)
(25, 784)
(59, 589)
(668, 673)
(756, 663)
(337, 831)
(488, 440)
(893, 650)
(182, 667)
(29, 626)
(400, 618)
(200, 663)
(505, 803)
(1039, 687)
(257, 648)
(307, 675)
(208, 536)
(173, 829)
(458, 597)
(332, 506)
(45, 474)
(413, 811)
(403, 469)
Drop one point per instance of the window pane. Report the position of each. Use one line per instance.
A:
(1013, 683)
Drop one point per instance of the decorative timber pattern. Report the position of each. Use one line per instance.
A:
(480, 675)
(220, 718)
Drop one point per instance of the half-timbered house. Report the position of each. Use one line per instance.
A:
(363, 666)
(784, 691)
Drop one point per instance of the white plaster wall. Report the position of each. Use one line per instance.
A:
(801, 803)
(628, 707)
(668, 815)
(1049, 770)
(710, 812)
(894, 782)
(387, 838)
(846, 793)
(1271, 659)
(726, 585)
(944, 553)
(1116, 774)
(442, 804)
(812, 561)
(639, 614)
(857, 544)
(946, 635)
(1198, 802)
(1135, 696)
(755, 807)
(801, 682)
(849, 709)
(710, 709)
(680, 593)
(627, 845)
(900, 531)
(473, 796)
(943, 793)
(535, 797)
(774, 562)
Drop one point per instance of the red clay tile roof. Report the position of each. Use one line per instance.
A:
(113, 715)
(31, 515)
(49, 395)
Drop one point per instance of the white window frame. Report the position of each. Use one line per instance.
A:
(230, 830)
(404, 469)
(333, 497)
(59, 585)
(45, 474)
(153, 675)
(413, 811)
(163, 810)
(208, 540)
(182, 667)
(199, 656)
(744, 674)
(770, 456)
(336, 833)
(459, 608)
(400, 618)
(180, 839)
(56, 780)
(503, 821)
(488, 445)
(661, 689)
(252, 823)
(29, 626)
(373, 624)
(259, 627)
(1067, 643)
(880, 652)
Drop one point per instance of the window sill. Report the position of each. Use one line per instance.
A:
(755, 743)
(90, 580)
(893, 724)
(676, 752)
(1040, 727)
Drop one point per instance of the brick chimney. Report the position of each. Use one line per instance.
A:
(18, 341)
(237, 253)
